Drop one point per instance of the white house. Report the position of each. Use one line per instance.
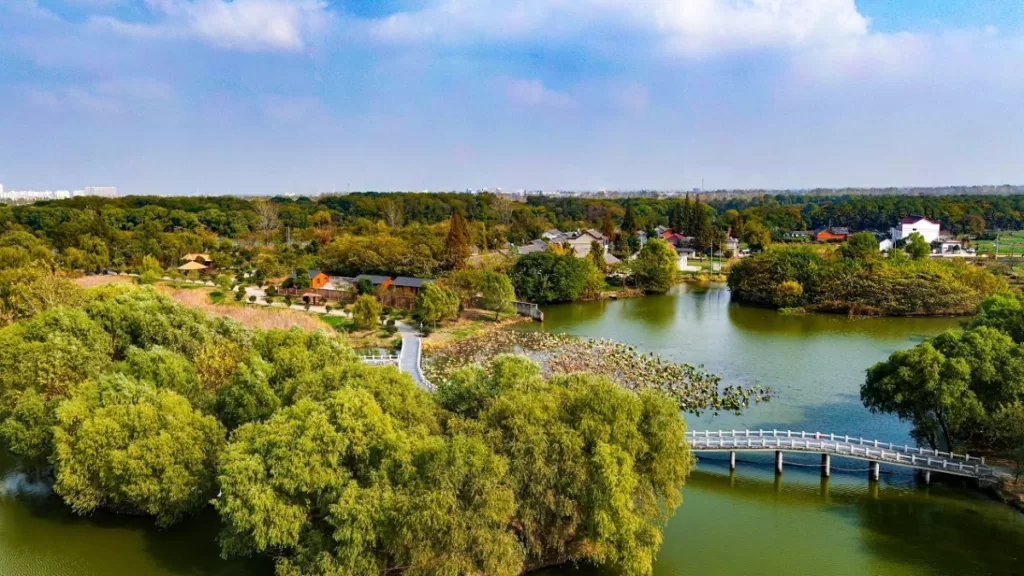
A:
(884, 245)
(928, 229)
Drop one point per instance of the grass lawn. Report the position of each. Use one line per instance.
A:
(339, 323)
(1008, 241)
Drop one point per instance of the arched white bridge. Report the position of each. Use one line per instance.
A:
(828, 445)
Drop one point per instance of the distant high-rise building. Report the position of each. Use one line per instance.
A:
(107, 191)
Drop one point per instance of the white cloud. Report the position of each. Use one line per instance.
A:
(534, 93)
(688, 27)
(254, 25)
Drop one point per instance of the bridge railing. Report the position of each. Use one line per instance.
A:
(905, 448)
(380, 359)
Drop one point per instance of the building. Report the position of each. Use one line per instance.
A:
(374, 279)
(409, 286)
(797, 235)
(552, 234)
(951, 247)
(927, 228)
(105, 191)
(832, 234)
(581, 243)
(884, 245)
(202, 258)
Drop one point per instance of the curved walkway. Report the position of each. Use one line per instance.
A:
(833, 444)
(412, 352)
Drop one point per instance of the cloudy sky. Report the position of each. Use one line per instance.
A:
(273, 96)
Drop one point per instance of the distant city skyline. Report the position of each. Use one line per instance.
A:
(307, 96)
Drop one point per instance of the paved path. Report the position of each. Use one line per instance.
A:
(409, 360)
(846, 446)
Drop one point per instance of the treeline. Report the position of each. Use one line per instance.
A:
(405, 233)
(860, 282)
(137, 405)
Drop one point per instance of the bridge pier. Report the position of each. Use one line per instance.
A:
(826, 465)
(732, 460)
(927, 477)
(873, 468)
(778, 462)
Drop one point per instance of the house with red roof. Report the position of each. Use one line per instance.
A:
(928, 229)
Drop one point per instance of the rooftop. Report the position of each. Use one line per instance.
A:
(410, 282)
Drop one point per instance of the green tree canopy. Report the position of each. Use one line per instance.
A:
(950, 386)
(496, 292)
(342, 487)
(436, 303)
(126, 445)
(861, 246)
(916, 247)
(543, 277)
(366, 312)
(655, 267)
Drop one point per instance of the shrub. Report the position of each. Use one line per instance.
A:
(252, 299)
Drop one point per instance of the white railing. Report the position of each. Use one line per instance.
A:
(419, 367)
(841, 445)
(381, 359)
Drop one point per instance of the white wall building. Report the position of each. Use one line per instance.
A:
(928, 229)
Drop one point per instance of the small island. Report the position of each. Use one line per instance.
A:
(855, 278)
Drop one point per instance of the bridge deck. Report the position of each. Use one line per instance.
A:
(846, 446)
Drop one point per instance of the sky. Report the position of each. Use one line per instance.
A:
(310, 96)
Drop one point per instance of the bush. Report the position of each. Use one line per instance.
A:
(391, 322)
(366, 312)
(239, 294)
(252, 299)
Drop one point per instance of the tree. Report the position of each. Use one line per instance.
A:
(608, 226)
(364, 286)
(456, 246)
(266, 218)
(861, 246)
(757, 236)
(366, 312)
(300, 279)
(1004, 312)
(655, 267)
(150, 270)
(916, 247)
(126, 445)
(629, 225)
(346, 487)
(543, 277)
(596, 255)
(974, 225)
(582, 444)
(496, 292)
(436, 303)
(949, 386)
(676, 218)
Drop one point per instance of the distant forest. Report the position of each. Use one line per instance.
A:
(90, 232)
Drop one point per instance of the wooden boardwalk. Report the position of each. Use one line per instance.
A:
(838, 445)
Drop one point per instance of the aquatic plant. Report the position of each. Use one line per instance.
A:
(694, 389)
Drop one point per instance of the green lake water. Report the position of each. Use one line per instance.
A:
(749, 523)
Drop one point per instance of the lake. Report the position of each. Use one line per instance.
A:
(754, 522)
(750, 522)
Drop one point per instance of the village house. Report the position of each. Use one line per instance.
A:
(374, 279)
(195, 262)
(796, 235)
(581, 243)
(927, 228)
(832, 234)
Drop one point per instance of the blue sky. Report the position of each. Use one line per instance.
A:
(306, 96)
